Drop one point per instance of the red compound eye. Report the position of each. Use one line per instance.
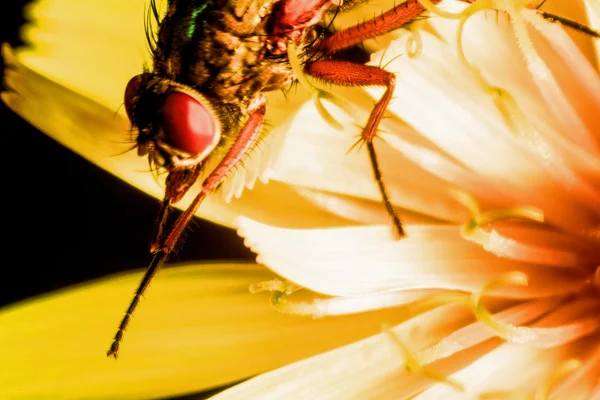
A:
(131, 90)
(188, 124)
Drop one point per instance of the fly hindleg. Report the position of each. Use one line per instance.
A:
(355, 74)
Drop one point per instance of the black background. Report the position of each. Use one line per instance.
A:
(65, 221)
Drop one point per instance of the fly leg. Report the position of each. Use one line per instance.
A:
(241, 147)
(353, 74)
(393, 19)
(178, 182)
(350, 74)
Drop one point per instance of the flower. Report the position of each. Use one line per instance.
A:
(491, 153)
(505, 108)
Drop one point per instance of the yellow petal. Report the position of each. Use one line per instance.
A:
(197, 327)
(93, 47)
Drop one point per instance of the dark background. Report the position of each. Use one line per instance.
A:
(65, 221)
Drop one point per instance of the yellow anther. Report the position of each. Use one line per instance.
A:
(274, 285)
(279, 293)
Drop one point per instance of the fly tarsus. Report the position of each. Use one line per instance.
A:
(157, 261)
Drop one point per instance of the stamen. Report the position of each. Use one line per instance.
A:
(473, 334)
(506, 331)
(316, 93)
(504, 101)
(414, 43)
(506, 247)
(410, 303)
(538, 337)
(479, 219)
(335, 100)
(279, 291)
(413, 366)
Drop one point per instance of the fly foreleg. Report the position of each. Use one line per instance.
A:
(241, 147)
(178, 183)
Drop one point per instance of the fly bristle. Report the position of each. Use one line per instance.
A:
(152, 19)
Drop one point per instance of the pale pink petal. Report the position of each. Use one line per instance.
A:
(580, 383)
(578, 80)
(509, 368)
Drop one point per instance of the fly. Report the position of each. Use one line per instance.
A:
(204, 97)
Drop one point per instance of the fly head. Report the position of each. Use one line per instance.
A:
(177, 127)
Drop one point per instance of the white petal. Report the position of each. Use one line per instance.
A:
(488, 35)
(366, 260)
(360, 210)
(316, 156)
(593, 13)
